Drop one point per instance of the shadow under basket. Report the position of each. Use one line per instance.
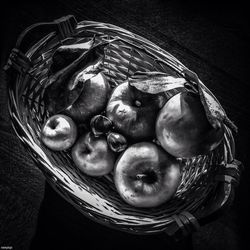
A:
(208, 181)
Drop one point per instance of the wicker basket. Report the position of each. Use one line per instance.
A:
(207, 185)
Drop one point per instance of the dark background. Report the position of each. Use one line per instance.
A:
(211, 39)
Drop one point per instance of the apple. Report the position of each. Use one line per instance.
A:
(146, 176)
(92, 155)
(59, 132)
(93, 98)
(182, 127)
(133, 112)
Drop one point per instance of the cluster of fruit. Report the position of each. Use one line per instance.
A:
(135, 134)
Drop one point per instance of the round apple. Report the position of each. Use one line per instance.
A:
(146, 176)
(182, 127)
(92, 155)
(93, 98)
(59, 132)
(133, 112)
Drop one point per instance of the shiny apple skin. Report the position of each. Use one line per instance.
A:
(146, 176)
(92, 155)
(92, 100)
(59, 132)
(182, 128)
(133, 112)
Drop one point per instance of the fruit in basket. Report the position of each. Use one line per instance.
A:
(59, 132)
(182, 127)
(92, 155)
(117, 142)
(79, 84)
(93, 97)
(146, 176)
(133, 112)
(100, 125)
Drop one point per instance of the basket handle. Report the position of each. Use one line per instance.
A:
(228, 178)
(185, 223)
(64, 27)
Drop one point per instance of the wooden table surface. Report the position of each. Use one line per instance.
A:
(212, 40)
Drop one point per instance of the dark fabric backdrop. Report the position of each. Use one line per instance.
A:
(211, 39)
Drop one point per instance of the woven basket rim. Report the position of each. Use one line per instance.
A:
(58, 179)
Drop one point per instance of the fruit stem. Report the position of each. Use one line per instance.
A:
(148, 178)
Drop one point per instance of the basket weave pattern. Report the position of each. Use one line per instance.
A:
(97, 198)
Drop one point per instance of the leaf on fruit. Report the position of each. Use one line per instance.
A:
(66, 54)
(214, 110)
(63, 88)
(81, 45)
(85, 74)
(155, 82)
